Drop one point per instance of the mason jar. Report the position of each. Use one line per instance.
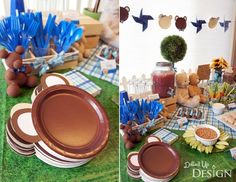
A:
(163, 79)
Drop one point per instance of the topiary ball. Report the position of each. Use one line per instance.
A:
(173, 48)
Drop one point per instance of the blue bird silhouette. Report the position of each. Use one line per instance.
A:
(225, 24)
(143, 19)
(198, 24)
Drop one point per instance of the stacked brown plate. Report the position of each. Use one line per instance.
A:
(133, 165)
(158, 162)
(66, 126)
(18, 144)
(48, 80)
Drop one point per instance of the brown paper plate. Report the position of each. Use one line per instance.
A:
(16, 138)
(133, 161)
(19, 106)
(152, 138)
(51, 79)
(19, 150)
(133, 175)
(18, 146)
(55, 163)
(49, 155)
(70, 121)
(159, 160)
(48, 80)
(53, 153)
(23, 126)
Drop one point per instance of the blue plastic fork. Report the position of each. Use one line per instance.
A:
(31, 32)
(15, 28)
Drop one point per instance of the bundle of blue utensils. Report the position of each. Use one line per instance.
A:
(28, 29)
(138, 111)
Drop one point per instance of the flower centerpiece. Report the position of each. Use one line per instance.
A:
(218, 65)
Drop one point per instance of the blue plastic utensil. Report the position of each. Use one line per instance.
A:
(31, 32)
(49, 31)
(15, 25)
(15, 28)
(77, 35)
(17, 5)
(71, 39)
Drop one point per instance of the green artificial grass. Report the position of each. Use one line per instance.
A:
(221, 161)
(104, 167)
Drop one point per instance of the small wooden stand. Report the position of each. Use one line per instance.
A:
(169, 103)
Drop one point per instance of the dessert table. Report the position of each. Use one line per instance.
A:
(14, 167)
(215, 161)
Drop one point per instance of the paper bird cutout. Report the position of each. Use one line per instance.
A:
(198, 24)
(225, 24)
(143, 19)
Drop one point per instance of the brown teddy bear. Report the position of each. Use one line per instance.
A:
(182, 94)
(130, 137)
(17, 74)
(193, 88)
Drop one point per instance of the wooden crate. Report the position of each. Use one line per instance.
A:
(159, 124)
(92, 41)
(67, 64)
(93, 30)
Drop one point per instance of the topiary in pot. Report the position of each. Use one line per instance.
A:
(173, 48)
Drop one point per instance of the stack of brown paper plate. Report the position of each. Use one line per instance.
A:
(158, 162)
(66, 127)
(155, 162)
(48, 80)
(133, 166)
(18, 144)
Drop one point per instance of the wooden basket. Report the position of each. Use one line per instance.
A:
(159, 124)
(73, 52)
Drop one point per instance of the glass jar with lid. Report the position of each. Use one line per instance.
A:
(163, 79)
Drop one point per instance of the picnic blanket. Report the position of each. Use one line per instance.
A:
(79, 80)
(210, 119)
(91, 66)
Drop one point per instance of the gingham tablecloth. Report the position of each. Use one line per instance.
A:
(92, 67)
(210, 119)
(79, 80)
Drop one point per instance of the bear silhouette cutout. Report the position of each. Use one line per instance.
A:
(165, 21)
(124, 13)
(181, 23)
(213, 22)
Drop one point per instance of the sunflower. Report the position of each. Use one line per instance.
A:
(219, 63)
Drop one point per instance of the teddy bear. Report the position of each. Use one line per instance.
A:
(182, 94)
(17, 74)
(193, 88)
(130, 137)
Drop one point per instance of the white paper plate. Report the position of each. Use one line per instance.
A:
(56, 163)
(50, 151)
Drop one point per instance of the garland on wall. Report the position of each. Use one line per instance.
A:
(181, 23)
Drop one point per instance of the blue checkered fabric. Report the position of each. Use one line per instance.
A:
(79, 80)
(166, 136)
(210, 119)
(92, 67)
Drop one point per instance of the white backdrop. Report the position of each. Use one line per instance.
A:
(49, 5)
(140, 50)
